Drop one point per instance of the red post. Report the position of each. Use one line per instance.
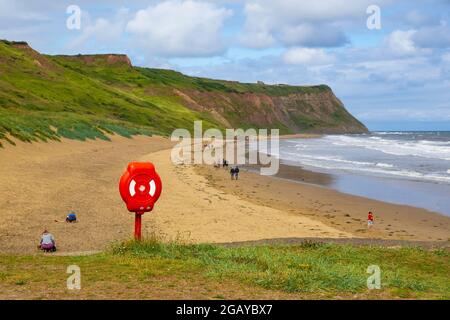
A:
(137, 226)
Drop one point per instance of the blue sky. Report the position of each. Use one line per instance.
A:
(393, 78)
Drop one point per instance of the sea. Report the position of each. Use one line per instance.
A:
(411, 168)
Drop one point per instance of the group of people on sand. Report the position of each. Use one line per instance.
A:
(224, 163)
(47, 242)
(234, 171)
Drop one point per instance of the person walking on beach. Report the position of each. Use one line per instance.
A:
(236, 172)
(370, 220)
(47, 242)
(232, 173)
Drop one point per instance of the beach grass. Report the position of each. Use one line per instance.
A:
(308, 270)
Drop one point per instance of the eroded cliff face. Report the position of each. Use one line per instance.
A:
(310, 109)
(320, 112)
(109, 59)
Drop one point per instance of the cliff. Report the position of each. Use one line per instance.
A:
(85, 96)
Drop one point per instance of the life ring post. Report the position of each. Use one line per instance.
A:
(138, 226)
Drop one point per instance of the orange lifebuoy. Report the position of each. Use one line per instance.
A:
(140, 187)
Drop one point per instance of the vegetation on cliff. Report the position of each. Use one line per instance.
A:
(87, 96)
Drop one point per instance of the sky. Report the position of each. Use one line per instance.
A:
(392, 73)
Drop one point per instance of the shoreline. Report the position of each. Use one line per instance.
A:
(379, 171)
(298, 174)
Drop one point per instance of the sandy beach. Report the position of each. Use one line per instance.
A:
(41, 182)
(339, 210)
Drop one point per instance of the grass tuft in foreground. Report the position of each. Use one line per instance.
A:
(310, 267)
(153, 269)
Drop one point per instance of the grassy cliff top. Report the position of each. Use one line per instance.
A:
(95, 64)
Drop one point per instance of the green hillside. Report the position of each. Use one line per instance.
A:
(43, 98)
(48, 97)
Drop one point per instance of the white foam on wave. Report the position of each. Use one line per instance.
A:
(435, 143)
(384, 165)
(351, 153)
(421, 148)
(334, 162)
(400, 133)
(378, 168)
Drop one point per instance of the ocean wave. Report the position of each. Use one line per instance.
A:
(382, 169)
(296, 156)
(421, 148)
(435, 143)
(400, 133)
(384, 165)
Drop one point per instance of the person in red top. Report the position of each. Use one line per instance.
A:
(370, 219)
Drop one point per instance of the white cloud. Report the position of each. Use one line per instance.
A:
(101, 30)
(401, 42)
(300, 23)
(307, 56)
(180, 28)
(418, 41)
(257, 27)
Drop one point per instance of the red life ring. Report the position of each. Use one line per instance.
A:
(140, 187)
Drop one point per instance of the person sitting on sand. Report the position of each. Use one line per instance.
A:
(71, 217)
(47, 242)
(232, 173)
(370, 219)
